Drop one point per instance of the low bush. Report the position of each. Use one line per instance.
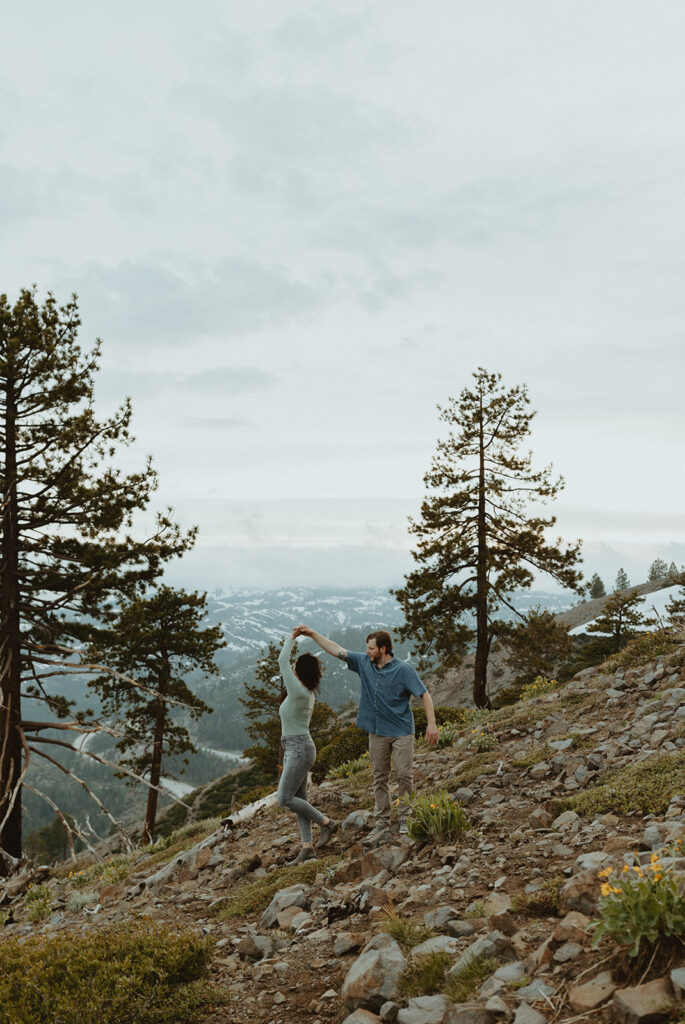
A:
(348, 746)
(643, 911)
(132, 973)
(540, 687)
(435, 816)
(37, 902)
(642, 788)
(541, 903)
(349, 768)
(469, 770)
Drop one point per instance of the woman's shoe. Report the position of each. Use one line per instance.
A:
(306, 853)
(326, 832)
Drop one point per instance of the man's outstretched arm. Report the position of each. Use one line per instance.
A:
(329, 646)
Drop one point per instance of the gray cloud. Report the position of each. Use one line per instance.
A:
(149, 302)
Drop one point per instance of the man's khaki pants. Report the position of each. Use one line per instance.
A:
(381, 750)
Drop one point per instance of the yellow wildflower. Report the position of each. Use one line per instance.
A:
(605, 889)
(605, 873)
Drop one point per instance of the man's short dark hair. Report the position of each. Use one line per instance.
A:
(382, 639)
(308, 671)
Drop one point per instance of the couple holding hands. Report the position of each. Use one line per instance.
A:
(387, 686)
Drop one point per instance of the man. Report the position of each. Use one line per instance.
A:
(387, 685)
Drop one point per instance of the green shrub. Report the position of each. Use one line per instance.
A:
(132, 973)
(37, 902)
(435, 816)
(481, 739)
(643, 910)
(538, 688)
(348, 746)
(78, 900)
(635, 789)
(469, 770)
(214, 800)
(534, 756)
(171, 820)
(251, 795)
(447, 734)
(443, 716)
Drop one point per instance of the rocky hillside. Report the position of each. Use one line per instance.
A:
(557, 789)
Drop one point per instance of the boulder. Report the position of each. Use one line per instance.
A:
(373, 978)
(362, 1017)
(254, 946)
(293, 896)
(525, 1014)
(592, 994)
(644, 1004)
(581, 893)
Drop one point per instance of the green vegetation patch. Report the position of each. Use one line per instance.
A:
(472, 767)
(169, 846)
(348, 746)
(647, 786)
(535, 756)
(133, 973)
(256, 896)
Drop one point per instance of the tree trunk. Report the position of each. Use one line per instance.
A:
(11, 749)
(480, 669)
(157, 749)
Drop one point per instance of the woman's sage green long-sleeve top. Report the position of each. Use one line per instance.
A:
(296, 709)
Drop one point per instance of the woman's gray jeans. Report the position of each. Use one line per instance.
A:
(299, 754)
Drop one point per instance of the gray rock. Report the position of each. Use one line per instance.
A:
(538, 989)
(427, 1010)
(439, 917)
(389, 1012)
(566, 821)
(644, 1004)
(356, 820)
(678, 981)
(346, 942)
(361, 1017)
(293, 896)
(592, 994)
(373, 978)
(461, 929)
(525, 1014)
(511, 972)
(464, 795)
(254, 946)
(591, 861)
(567, 951)
(437, 944)
(492, 944)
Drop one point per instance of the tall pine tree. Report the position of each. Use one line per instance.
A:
(65, 512)
(478, 538)
(159, 640)
(619, 622)
(596, 586)
(675, 609)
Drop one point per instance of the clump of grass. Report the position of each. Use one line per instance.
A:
(179, 841)
(476, 909)
(406, 932)
(435, 816)
(256, 896)
(348, 768)
(541, 903)
(103, 873)
(534, 756)
(462, 986)
(634, 789)
(481, 739)
(135, 972)
(425, 976)
(447, 734)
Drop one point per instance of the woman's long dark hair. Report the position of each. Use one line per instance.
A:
(308, 670)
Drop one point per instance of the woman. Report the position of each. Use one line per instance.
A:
(299, 752)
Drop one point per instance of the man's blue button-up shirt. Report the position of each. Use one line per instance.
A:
(384, 707)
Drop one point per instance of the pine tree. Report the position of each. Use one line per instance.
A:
(675, 609)
(619, 622)
(65, 508)
(622, 581)
(672, 570)
(596, 588)
(478, 541)
(537, 647)
(158, 640)
(658, 570)
(261, 702)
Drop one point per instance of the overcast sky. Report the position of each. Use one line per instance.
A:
(297, 228)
